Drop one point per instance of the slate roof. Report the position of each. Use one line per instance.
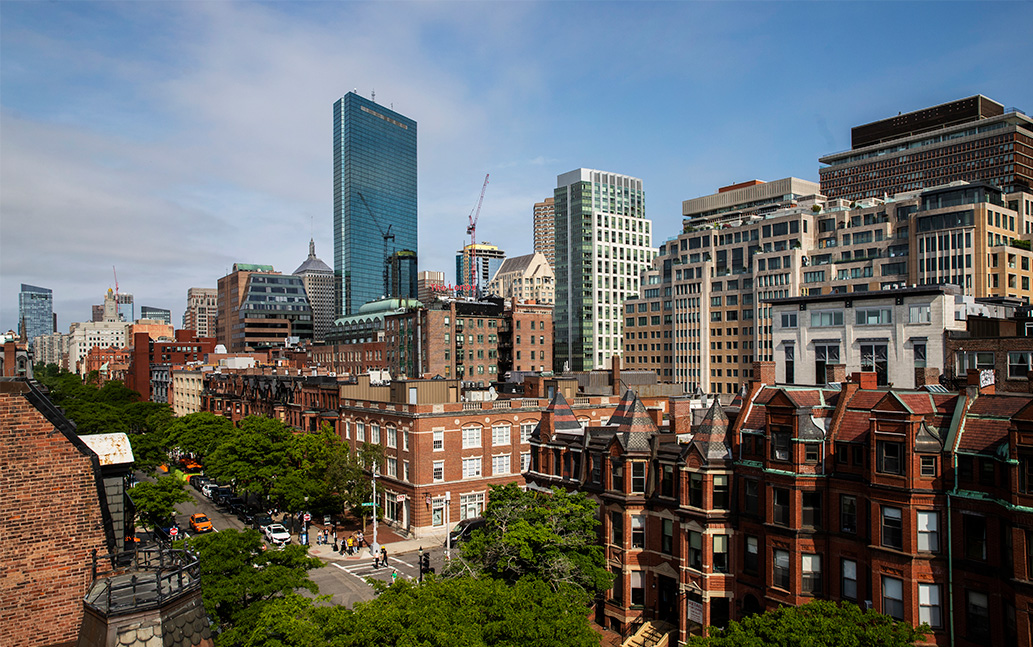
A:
(997, 406)
(563, 419)
(982, 436)
(631, 415)
(711, 435)
(515, 264)
(313, 264)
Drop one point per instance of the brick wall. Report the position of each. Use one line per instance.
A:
(52, 519)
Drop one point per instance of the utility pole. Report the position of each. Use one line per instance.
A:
(448, 524)
(375, 548)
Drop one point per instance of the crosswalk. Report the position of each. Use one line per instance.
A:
(364, 569)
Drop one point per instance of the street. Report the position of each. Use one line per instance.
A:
(342, 577)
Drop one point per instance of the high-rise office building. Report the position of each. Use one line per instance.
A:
(201, 311)
(126, 310)
(525, 278)
(261, 308)
(476, 265)
(374, 197)
(318, 279)
(158, 314)
(545, 230)
(402, 275)
(602, 243)
(974, 139)
(35, 312)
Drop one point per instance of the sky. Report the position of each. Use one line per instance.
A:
(169, 140)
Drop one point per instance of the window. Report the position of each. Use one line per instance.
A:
(439, 470)
(848, 513)
(780, 505)
(617, 528)
(618, 585)
(889, 457)
(929, 605)
(751, 561)
(525, 461)
(849, 585)
(893, 597)
(892, 528)
(526, 429)
(500, 464)
(810, 452)
(1018, 365)
(975, 536)
(978, 360)
(667, 480)
(825, 318)
(471, 437)
(780, 445)
(929, 531)
(696, 490)
(374, 433)
(638, 531)
(874, 359)
(920, 353)
(824, 355)
(360, 432)
(812, 510)
(666, 536)
(789, 352)
(638, 477)
(977, 616)
(810, 569)
(928, 466)
(471, 467)
(405, 470)
(500, 435)
(781, 569)
(720, 562)
(919, 314)
(695, 550)
(638, 592)
(392, 437)
(751, 497)
(873, 316)
(720, 491)
(439, 441)
(789, 320)
(617, 477)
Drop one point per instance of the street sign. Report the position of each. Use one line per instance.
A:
(308, 517)
(173, 531)
(399, 498)
(368, 505)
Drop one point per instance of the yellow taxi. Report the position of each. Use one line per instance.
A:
(199, 522)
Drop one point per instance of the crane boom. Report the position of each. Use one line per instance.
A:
(472, 230)
(386, 235)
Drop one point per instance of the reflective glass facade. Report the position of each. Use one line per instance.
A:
(374, 155)
(36, 311)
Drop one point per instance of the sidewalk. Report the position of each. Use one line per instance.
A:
(395, 544)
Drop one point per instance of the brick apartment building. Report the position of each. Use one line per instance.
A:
(442, 452)
(55, 515)
(914, 503)
(525, 338)
(147, 353)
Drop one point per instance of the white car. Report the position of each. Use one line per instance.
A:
(277, 534)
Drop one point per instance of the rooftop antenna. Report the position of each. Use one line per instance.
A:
(373, 96)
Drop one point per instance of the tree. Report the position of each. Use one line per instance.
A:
(546, 535)
(350, 476)
(156, 501)
(198, 433)
(239, 577)
(818, 623)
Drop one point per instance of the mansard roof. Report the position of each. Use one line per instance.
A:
(563, 419)
(711, 435)
(631, 415)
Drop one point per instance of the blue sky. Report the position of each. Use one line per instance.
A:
(172, 139)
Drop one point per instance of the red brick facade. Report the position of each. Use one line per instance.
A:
(53, 518)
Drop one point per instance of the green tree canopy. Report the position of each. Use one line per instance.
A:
(816, 624)
(156, 501)
(238, 577)
(198, 433)
(550, 536)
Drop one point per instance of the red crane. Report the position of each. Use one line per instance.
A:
(472, 230)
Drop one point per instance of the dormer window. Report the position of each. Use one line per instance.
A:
(889, 457)
(780, 446)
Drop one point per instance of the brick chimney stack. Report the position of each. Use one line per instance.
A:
(927, 375)
(974, 382)
(865, 379)
(764, 372)
(835, 373)
(615, 375)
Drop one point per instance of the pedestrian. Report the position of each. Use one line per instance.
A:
(361, 539)
(383, 555)
(394, 576)
(335, 542)
(351, 543)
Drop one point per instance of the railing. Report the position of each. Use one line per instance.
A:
(146, 578)
(502, 404)
(472, 406)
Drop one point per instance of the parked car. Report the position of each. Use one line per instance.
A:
(222, 495)
(261, 521)
(464, 529)
(245, 514)
(208, 489)
(198, 481)
(277, 535)
(199, 522)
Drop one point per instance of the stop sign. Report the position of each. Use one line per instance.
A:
(308, 517)
(173, 531)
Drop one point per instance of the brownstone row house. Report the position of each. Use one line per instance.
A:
(915, 503)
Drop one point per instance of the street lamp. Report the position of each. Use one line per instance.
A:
(375, 548)
(304, 523)
(420, 562)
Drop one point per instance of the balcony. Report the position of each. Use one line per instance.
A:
(145, 579)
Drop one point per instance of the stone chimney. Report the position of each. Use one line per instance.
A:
(865, 380)
(835, 373)
(927, 375)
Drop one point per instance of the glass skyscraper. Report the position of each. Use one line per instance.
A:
(374, 198)
(35, 311)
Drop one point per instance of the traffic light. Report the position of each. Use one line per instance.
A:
(425, 564)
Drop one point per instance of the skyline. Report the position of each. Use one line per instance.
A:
(171, 140)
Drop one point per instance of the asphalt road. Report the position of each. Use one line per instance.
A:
(343, 579)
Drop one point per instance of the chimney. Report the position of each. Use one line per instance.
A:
(865, 379)
(615, 374)
(975, 382)
(681, 415)
(657, 415)
(764, 372)
(927, 375)
(835, 373)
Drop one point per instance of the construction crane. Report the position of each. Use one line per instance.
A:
(117, 310)
(387, 236)
(472, 230)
